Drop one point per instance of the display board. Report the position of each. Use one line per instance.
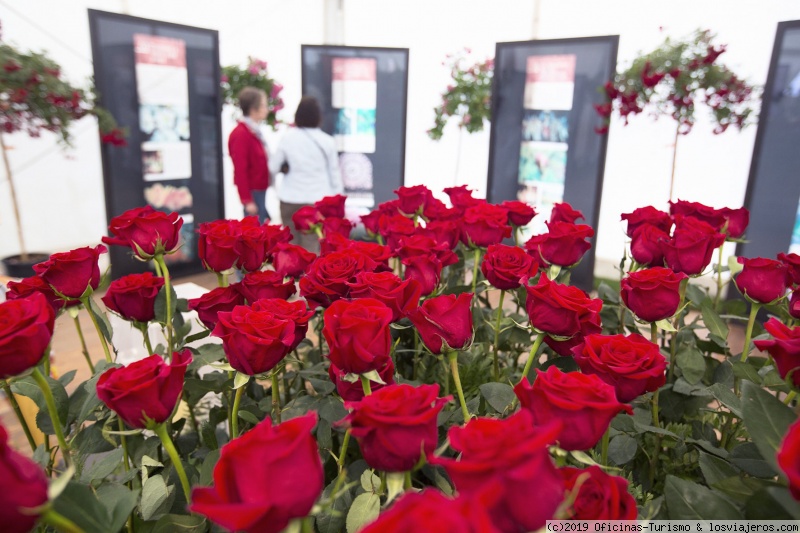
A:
(161, 82)
(543, 146)
(363, 93)
(773, 188)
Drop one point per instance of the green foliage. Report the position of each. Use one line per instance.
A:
(255, 74)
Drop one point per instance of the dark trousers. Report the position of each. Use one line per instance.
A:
(309, 241)
(260, 199)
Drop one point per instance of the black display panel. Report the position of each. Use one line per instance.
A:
(773, 187)
(363, 93)
(543, 144)
(161, 81)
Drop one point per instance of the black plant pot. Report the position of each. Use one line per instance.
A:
(16, 267)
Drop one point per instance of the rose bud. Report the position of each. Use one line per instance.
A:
(402, 415)
(647, 245)
(331, 206)
(584, 403)
(209, 305)
(652, 294)
(419, 244)
(148, 232)
(519, 213)
(133, 297)
(507, 267)
(296, 311)
(395, 227)
(792, 262)
(437, 211)
(72, 273)
(564, 244)
(275, 235)
(412, 200)
(26, 327)
(709, 215)
(371, 221)
(36, 284)
(788, 457)
(426, 270)
(401, 296)
(737, 220)
(291, 260)
(216, 244)
(510, 457)
(245, 496)
(784, 347)
(557, 309)
(254, 339)
(632, 365)
(600, 496)
(693, 241)
(485, 224)
(337, 226)
(357, 332)
(761, 280)
(461, 197)
(251, 245)
(145, 391)
(306, 219)
(353, 391)
(647, 215)
(794, 304)
(444, 322)
(563, 212)
(265, 284)
(24, 488)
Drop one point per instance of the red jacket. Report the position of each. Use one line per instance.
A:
(250, 170)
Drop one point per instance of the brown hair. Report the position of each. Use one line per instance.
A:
(250, 98)
(309, 113)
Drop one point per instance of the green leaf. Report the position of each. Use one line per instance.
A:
(767, 420)
(240, 380)
(332, 521)
(198, 336)
(120, 501)
(715, 469)
(154, 495)
(747, 457)
(173, 523)
(692, 364)
(369, 481)
(322, 386)
(622, 449)
(727, 398)
(101, 467)
(160, 305)
(665, 325)
(28, 387)
(740, 488)
(248, 417)
(716, 326)
(207, 467)
(205, 355)
(79, 504)
(364, 510)
(687, 500)
(745, 371)
(498, 395)
(772, 503)
(100, 317)
(60, 483)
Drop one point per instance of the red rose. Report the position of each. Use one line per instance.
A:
(357, 332)
(327, 277)
(563, 212)
(412, 200)
(217, 243)
(395, 227)
(443, 231)
(506, 267)
(71, 273)
(784, 347)
(24, 489)
(264, 478)
(148, 232)
(792, 262)
(762, 280)
(632, 365)
(209, 305)
(430, 510)
(584, 403)
(354, 391)
(251, 245)
(398, 295)
(425, 270)
(510, 456)
(519, 213)
(331, 206)
(133, 297)
(794, 304)
(564, 243)
(788, 457)
(338, 226)
(689, 251)
(557, 309)
(600, 496)
(652, 294)
(698, 211)
(296, 312)
(254, 339)
(444, 322)
(371, 221)
(265, 284)
(306, 219)
(647, 245)
(484, 224)
(647, 215)
(461, 197)
(146, 389)
(26, 327)
(275, 235)
(590, 324)
(35, 284)
(402, 415)
(737, 220)
(436, 210)
(291, 260)
(378, 253)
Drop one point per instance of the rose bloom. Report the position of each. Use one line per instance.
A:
(563, 212)
(148, 232)
(600, 496)
(264, 478)
(519, 213)
(265, 284)
(395, 227)
(507, 267)
(461, 197)
(254, 339)
(509, 457)
(24, 488)
(146, 390)
(788, 457)
(357, 332)
(647, 215)
(647, 245)
(444, 322)
(217, 242)
(275, 235)
(26, 327)
(71, 273)
(133, 297)
(209, 305)
(792, 262)
(412, 200)
(371, 221)
(584, 403)
(589, 323)
(296, 311)
(291, 260)
(557, 309)
(251, 245)
(564, 244)
(327, 277)
(761, 280)
(794, 304)
(698, 211)
(419, 244)
(36, 284)
(354, 391)
(484, 224)
(737, 220)
(784, 347)
(437, 211)
(402, 415)
(306, 218)
(426, 270)
(693, 241)
(401, 296)
(632, 365)
(652, 294)
(375, 252)
(338, 226)
(331, 206)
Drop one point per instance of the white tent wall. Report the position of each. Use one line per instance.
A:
(61, 192)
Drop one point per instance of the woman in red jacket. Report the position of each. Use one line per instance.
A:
(248, 151)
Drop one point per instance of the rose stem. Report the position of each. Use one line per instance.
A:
(103, 341)
(168, 293)
(719, 278)
(532, 356)
(789, 397)
(146, 337)
(276, 397)
(497, 335)
(18, 412)
(230, 406)
(83, 343)
(754, 308)
(161, 431)
(604, 447)
(475, 269)
(453, 357)
(407, 480)
(365, 385)
(60, 522)
(653, 333)
(51, 407)
(235, 411)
